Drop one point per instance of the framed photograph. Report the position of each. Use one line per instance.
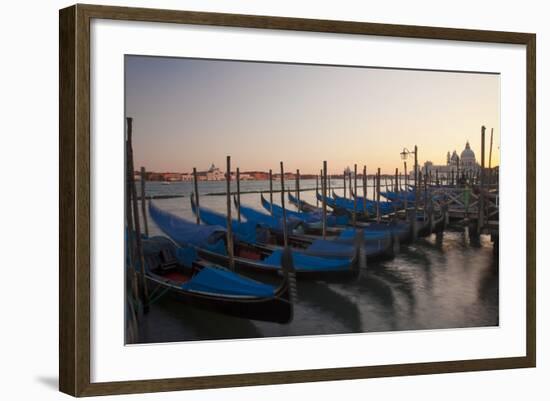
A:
(278, 200)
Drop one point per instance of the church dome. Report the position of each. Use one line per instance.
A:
(467, 153)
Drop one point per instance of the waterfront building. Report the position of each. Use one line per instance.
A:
(465, 163)
(214, 174)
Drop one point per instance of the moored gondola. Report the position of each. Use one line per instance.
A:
(376, 244)
(210, 243)
(180, 273)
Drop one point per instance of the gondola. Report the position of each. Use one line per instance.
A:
(269, 234)
(364, 221)
(339, 243)
(305, 207)
(424, 225)
(312, 219)
(210, 243)
(341, 209)
(399, 228)
(312, 224)
(359, 204)
(181, 274)
(399, 196)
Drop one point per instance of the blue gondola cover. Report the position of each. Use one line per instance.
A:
(219, 281)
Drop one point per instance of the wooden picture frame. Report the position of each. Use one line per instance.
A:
(74, 203)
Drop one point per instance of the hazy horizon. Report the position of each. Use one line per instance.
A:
(193, 112)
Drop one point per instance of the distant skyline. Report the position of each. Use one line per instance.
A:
(192, 113)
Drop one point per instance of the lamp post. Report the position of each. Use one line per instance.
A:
(404, 155)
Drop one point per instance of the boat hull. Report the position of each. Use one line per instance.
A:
(277, 308)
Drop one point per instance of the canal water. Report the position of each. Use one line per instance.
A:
(435, 283)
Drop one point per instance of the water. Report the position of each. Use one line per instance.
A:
(435, 283)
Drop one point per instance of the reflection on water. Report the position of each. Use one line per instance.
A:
(437, 282)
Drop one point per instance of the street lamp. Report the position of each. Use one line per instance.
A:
(404, 155)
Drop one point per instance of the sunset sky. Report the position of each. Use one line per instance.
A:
(191, 113)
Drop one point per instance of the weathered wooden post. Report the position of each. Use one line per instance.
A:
(425, 190)
(428, 201)
(298, 187)
(317, 189)
(196, 195)
(406, 192)
(238, 195)
(324, 185)
(378, 196)
(481, 201)
(229, 232)
(490, 149)
(355, 195)
(396, 187)
(271, 191)
(329, 184)
(137, 232)
(351, 194)
(365, 191)
(457, 170)
(345, 178)
(131, 248)
(415, 182)
(143, 208)
(374, 186)
(285, 230)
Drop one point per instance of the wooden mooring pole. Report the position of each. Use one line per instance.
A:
(238, 195)
(365, 191)
(425, 190)
(354, 195)
(196, 195)
(285, 230)
(345, 194)
(143, 203)
(229, 232)
(457, 170)
(131, 247)
(324, 187)
(351, 194)
(406, 191)
(416, 178)
(137, 228)
(317, 190)
(378, 196)
(271, 191)
(490, 149)
(481, 202)
(298, 187)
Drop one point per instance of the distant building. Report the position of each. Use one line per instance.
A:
(258, 175)
(466, 164)
(171, 177)
(468, 160)
(214, 174)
